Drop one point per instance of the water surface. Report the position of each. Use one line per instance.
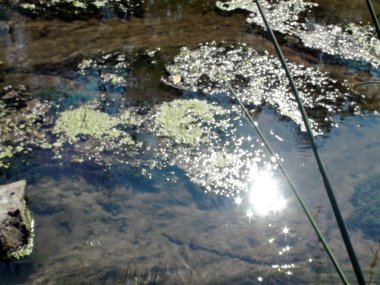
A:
(115, 225)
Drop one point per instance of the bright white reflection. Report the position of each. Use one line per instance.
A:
(238, 200)
(264, 194)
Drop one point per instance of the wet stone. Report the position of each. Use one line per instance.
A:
(259, 79)
(16, 224)
(79, 9)
(354, 45)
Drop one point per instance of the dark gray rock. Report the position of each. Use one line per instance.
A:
(16, 225)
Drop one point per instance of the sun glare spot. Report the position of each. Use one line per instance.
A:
(249, 214)
(264, 194)
(238, 200)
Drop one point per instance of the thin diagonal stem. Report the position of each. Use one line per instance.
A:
(326, 182)
(291, 184)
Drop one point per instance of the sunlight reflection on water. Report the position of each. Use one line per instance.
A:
(265, 197)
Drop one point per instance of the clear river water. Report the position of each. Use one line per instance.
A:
(122, 222)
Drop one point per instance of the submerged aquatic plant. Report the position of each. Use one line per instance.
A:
(85, 121)
(353, 44)
(186, 120)
(110, 69)
(27, 249)
(259, 79)
(22, 122)
(91, 132)
(201, 138)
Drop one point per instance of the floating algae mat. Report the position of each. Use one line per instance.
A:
(259, 80)
(203, 136)
(201, 139)
(194, 135)
(355, 45)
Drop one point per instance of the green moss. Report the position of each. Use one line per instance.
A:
(79, 4)
(6, 151)
(84, 121)
(186, 120)
(221, 161)
(27, 249)
(99, 133)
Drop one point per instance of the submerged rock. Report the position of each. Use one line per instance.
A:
(259, 79)
(355, 45)
(16, 224)
(78, 9)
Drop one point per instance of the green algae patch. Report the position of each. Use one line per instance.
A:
(85, 121)
(222, 161)
(188, 121)
(94, 136)
(27, 249)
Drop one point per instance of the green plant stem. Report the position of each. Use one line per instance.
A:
(326, 182)
(367, 83)
(374, 18)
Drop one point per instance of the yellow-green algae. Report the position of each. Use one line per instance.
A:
(222, 161)
(85, 121)
(185, 120)
(91, 132)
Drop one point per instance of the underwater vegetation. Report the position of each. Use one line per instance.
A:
(112, 70)
(22, 122)
(204, 135)
(259, 80)
(356, 45)
(202, 139)
(184, 120)
(91, 134)
(85, 121)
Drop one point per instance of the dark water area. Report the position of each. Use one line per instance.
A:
(126, 222)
